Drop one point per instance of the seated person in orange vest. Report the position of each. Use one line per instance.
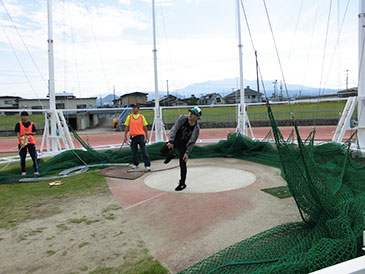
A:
(26, 141)
(136, 124)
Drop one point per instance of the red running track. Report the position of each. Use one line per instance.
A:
(323, 133)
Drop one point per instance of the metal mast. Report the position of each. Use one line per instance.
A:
(241, 121)
(361, 81)
(157, 119)
(51, 93)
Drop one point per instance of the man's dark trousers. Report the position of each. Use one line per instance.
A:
(182, 150)
(140, 140)
(33, 154)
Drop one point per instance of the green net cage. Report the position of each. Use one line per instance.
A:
(327, 185)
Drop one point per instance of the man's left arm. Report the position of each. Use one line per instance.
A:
(146, 132)
(144, 121)
(191, 143)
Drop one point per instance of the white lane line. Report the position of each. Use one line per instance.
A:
(149, 199)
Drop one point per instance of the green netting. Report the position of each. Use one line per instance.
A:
(329, 189)
(327, 185)
(235, 146)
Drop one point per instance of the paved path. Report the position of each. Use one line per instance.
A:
(183, 228)
(323, 133)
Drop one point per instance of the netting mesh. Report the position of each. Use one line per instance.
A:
(329, 190)
(327, 185)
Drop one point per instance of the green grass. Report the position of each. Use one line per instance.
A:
(257, 112)
(8, 122)
(145, 265)
(82, 220)
(280, 192)
(16, 118)
(17, 200)
(217, 113)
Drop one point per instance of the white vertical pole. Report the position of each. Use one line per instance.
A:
(241, 119)
(157, 118)
(361, 81)
(52, 101)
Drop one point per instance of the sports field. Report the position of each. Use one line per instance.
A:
(282, 111)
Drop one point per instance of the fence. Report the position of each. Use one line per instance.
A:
(261, 116)
(229, 116)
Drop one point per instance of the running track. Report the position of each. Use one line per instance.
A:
(323, 133)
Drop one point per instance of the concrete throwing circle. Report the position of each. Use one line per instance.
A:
(206, 179)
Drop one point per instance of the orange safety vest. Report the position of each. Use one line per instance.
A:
(23, 130)
(136, 125)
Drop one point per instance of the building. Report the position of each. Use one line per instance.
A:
(131, 98)
(63, 101)
(9, 102)
(191, 101)
(251, 96)
(211, 99)
(171, 100)
(347, 92)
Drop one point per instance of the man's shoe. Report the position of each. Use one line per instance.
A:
(169, 157)
(180, 187)
(147, 168)
(36, 173)
(134, 167)
(24, 173)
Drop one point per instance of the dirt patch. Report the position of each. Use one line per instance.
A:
(82, 234)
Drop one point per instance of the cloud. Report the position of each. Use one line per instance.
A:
(125, 2)
(160, 3)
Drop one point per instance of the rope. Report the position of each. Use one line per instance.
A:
(295, 35)
(278, 56)
(337, 42)
(323, 61)
(253, 47)
(74, 51)
(309, 49)
(96, 45)
(16, 56)
(243, 263)
(21, 38)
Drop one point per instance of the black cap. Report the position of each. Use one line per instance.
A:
(24, 113)
(135, 105)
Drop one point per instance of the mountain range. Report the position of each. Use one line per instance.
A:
(226, 86)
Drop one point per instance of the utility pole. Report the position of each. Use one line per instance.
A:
(114, 94)
(167, 88)
(347, 78)
(275, 82)
(257, 73)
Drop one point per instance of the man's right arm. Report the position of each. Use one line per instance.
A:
(17, 130)
(126, 133)
(175, 128)
(127, 121)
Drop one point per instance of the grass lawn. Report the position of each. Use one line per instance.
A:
(7, 122)
(18, 200)
(16, 210)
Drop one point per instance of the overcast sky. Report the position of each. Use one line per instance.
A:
(101, 44)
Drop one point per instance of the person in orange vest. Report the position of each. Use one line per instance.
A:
(26, 142)
(136, 124)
